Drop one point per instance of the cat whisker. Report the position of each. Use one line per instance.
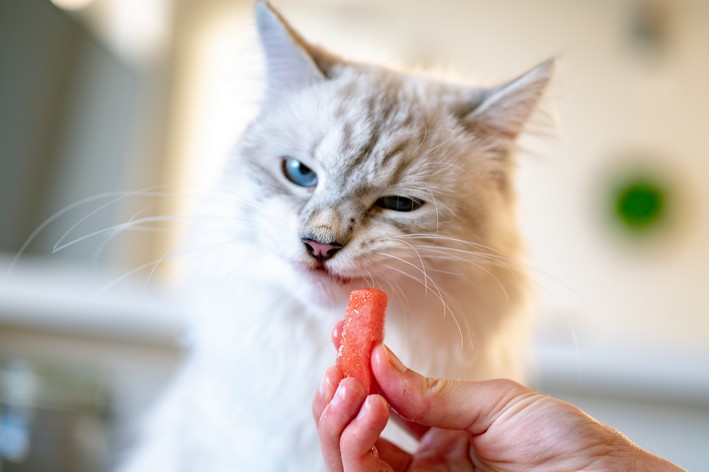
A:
(135, 225)
(456, 167)
(437, 291)
(129, 273)
(409, 264)
(423, 138)
(399, 293)
(445, 272)
(443, 143)
(445, 256)
(370, 278)
(51, 219)
(120, 196)
(183, 250)
(423, 266)
(110, 237)
(111, 230)
(496, 259)
(464, 242)
(484, 252)
(435, 203)
(459, 254)
(116, 197)
(455, 254)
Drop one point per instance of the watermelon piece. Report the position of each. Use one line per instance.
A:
(362, 330)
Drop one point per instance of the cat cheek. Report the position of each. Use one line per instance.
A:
(277, 231)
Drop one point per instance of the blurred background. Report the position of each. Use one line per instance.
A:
(114, 113)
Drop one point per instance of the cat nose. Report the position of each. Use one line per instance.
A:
(321, 251)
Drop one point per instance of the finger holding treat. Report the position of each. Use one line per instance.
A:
(350, 419)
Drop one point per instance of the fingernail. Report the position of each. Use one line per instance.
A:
(394, 361)
(329, 387)
(364, 410)
(342, 391)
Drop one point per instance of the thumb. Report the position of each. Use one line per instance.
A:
(462, 405)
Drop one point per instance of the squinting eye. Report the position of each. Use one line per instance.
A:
(299, 173)
(397, 203)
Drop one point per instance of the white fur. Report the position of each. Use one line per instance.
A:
(259, 317)
(242, 401)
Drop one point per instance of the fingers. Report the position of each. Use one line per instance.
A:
(336, 334)
(350, 424)
(324, 395)
(361, 447)
(392, 455)
(357, 444)
(337, 414)
(451, 447)
(469, 406)
(415, 429)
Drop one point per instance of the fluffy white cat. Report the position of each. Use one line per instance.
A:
(352, 175)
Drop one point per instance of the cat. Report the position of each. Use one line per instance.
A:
(352, 175)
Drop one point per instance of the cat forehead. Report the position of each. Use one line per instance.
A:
(367, 114)
(381, 96)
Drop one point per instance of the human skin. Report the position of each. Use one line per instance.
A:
(495, 425)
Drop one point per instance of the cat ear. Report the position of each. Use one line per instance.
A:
(502, 111)
(291, 62)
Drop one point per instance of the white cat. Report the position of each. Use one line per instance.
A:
(352, 175)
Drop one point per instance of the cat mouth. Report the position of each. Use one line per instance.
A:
(322, 271)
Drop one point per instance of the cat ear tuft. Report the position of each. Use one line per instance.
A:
(503, 111)
(291, 62)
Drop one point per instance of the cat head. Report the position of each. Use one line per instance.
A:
(363, 174)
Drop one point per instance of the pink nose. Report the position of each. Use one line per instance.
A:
(321, 251)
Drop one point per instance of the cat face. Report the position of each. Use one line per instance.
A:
(373, 161)
(360, 173)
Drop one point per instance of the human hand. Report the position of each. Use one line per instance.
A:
(490, 425)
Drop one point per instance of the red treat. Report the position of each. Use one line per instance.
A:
(363, 328)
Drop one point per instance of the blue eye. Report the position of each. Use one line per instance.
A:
(397, 203)
(299, 173)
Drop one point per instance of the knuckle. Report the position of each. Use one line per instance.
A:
(435, 386)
